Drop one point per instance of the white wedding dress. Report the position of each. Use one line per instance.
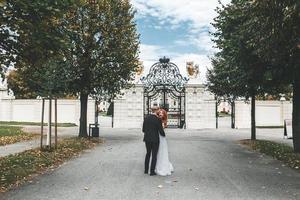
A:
(163, 166)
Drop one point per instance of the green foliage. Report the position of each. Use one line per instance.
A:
(237, 70)
(33, 39)
(275, 28)
(33, 28)
(245, 67)
(7, 40)
(72, 46)
(104, 47)
(51, 79)
(241, 68)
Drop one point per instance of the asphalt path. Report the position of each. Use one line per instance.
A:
(209, 164)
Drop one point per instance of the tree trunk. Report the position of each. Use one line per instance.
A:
(253, 124)
(296, 114)
(83, 115)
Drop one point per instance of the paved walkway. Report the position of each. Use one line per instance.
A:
(208, 165)
(268, 134)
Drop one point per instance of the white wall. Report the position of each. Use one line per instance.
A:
(242, 114)
(128, 109)
(200, 108)
(268, 113)
(30, 110)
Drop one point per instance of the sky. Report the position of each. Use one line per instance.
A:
(177, 29)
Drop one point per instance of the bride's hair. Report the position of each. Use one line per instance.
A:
(164, 117)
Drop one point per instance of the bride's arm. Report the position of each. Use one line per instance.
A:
(164, 125)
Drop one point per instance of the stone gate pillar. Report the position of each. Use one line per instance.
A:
(200, 107)
(128, 108)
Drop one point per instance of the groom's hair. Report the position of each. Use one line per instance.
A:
(154, 109)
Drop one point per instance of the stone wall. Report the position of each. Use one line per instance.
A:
(268, 113)
(200, 108)
(128, 108)
(29, 110)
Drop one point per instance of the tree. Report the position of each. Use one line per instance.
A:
(104, 50)
(272, 34)
(237, 71)
(275, 37)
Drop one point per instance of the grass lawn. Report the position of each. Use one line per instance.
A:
(5, 123)
(19, 168)
(282, 152)
(13, 134)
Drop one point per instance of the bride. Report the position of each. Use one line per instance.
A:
(163, 166)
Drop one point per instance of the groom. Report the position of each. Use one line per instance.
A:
(152, 127)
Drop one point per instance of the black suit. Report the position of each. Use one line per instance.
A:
(152, 127)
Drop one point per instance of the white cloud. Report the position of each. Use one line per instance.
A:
(202, 40)
(197, 13)
(150, 54)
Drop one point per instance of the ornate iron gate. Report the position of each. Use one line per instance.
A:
(165, 86)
